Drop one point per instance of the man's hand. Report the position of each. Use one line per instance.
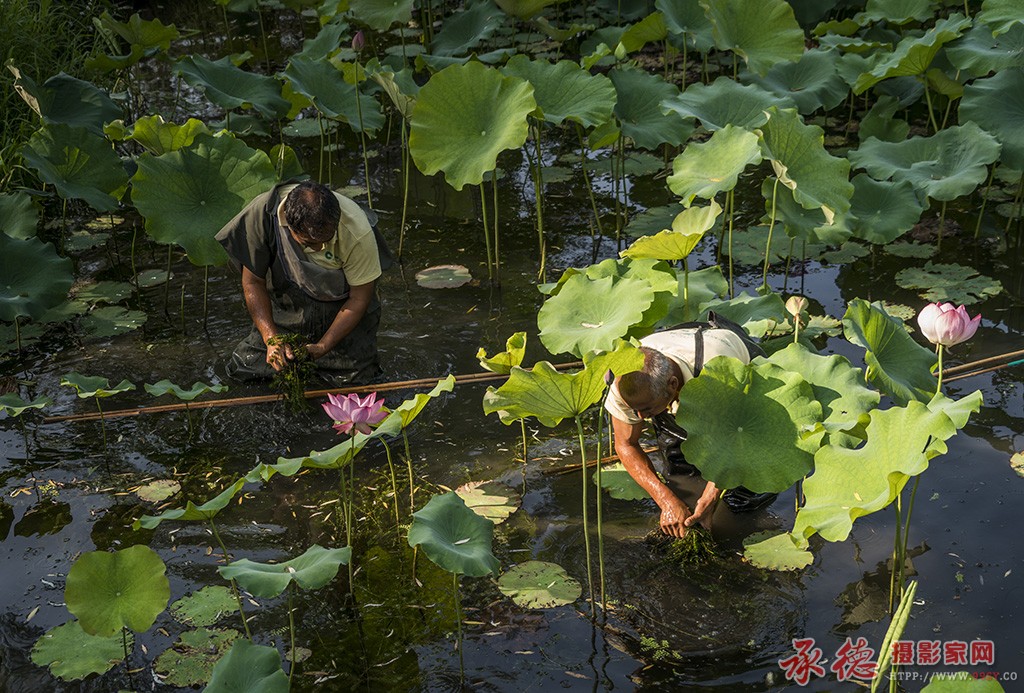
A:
(705, 506)
(315, 351)
(278, 355)
(673, 517)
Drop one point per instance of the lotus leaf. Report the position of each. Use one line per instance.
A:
(1000, 15)
(725, 102)
(83, 240)
(249, 668)
(800, 223)
(192, 512)
(78, 164)
(604, 135)
(490, 499)
(103, 292)
(652, 220)
(942, 283)
(515, 349)
(881, 122)
(848, 253)
(147, 279)
(638, 108)
(737, 416)
(524, 9)
(748, 246)
(312, 570)
(66, 100)
(913, 55)
(957, 410)
(187, 195)
(444, 277)
(898, 365)
(798, 156)
(113, 320)
(589, 314)
(539, 585)
(123, 589)
(230, 87)
(18, 216)
(550, 395)
(564, 91)
(811, 82)
(997, 105)
(327, 41)
(1017, 463)
(895, 11)
(620, 484)
(464, 117)
(464, 30)
(148, 35)
(198, 388)
(686, 18)
(334, 457)
(632, 164)
(381, 14)
(325, 85)
(776, 551)
(159, 490)
(762, 32)
(961, 682)
(650, 29)
(695, 288)
(454, 537)
(204, 607)
(688, 228)
(908, 249)
(882, 212)
(758, 315)
(35, 278)
(72, 654)
(708, 168)
(406, 412)
(656, 273)
(189, 661)
(16, 406)
(978, 52)
(160, 137)
(94, 385)
(851, 483)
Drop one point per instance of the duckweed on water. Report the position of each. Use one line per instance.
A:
(291, 381)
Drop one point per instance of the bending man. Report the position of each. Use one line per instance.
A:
(309, 260)
(671, 359)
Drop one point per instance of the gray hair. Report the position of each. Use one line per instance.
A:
(651, 380)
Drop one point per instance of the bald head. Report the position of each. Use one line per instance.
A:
(312, 211)
(652, 389)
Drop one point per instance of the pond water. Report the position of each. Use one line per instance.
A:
(721, 626)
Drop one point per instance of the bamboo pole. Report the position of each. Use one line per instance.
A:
(983, 362)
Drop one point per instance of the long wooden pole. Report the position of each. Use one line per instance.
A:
(309, 394)
(983, 362)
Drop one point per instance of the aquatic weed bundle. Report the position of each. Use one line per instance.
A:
(697, 547)
(291, 381)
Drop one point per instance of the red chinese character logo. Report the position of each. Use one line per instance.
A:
(954, 652)
(800, 666)
(854, 660)
(983, 652)
(929, 652)
(903, 652)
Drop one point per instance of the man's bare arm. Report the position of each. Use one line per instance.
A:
(349, 315)
(257, 301)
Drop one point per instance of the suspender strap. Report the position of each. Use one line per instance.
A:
(698, 351)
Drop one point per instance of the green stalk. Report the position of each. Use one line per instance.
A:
(928, 100)
(538, 188)
(586, 179)
(768, 248)
(405, 184)
(103, 423)
(896, 589)
(586, 523)
(1016, 203)
(408, 463)
(938, 387)
(320, 168)
(458, 621)
(497, 239)
(906, 531)
(234, 586)
(263, 36)
(362, 141)
(984, 200)
(487, 232)
(206, 293)
(17, 332)
(343, 499)
(600, 497)
(394, 483)
(731, 202)
(291, 631)
(167, 284)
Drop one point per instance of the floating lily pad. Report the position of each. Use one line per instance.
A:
(312, 570)
(539, 585)
(191, 511)
(490, 499)
(1017, 463)
(113, 320)
(619, 484)
(249, 667)
(33, 278)
(309, 127)
(150, 278)
(72, 654)
(776, 551)
(84, 240)
(111, 590)
(454, 537)
(911, 249)
(156, 491)
(899, 310)
(104, 292)
(190, 661)
(952, 283)
(444, 277)
(205, 607)
(849, 252)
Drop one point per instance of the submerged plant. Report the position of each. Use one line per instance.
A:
(292, 380)
(695, 548)
(96, 387)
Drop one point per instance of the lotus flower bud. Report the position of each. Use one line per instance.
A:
(796, 305)
(946, 324)
(358, 41)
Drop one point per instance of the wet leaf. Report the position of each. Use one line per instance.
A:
(454, 537)
(444, 277)
(312, 570)
(72, 654)
(147, 279)
(103, 292)
(111, 590)
(249, 668)
(190, 660)
(619, 484)
(539, 585)
(776, 551)
(949, 283)
(83, 240)
(490, 499)
(156, 491)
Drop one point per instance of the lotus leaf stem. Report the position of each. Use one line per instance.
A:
(586, 522)
(458, 622)
(730, 200)
(538, 198)
(320, 168)
(984, 200)
(487, 232)
(408, 464)
(234, 585)
(896, 551)
(768, 247)
(103, 423)
(394, 483)
(586, 179)
(600, 494)
(405, 183)
(344, 512)
(497, 239)
(167, 285)
(1016, 203)
(938, 387)
(362, 140)
(206, 295)
(931, 112)
(291, 630)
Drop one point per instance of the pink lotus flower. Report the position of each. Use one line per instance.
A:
(946, 324)
(350, 412)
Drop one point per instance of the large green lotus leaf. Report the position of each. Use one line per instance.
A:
(658, 274)
(464, 30)
(881, 212)
(327, 41)
(777, 551)
(952, 283)
(231, 87)
(94, 385)
(564, 91)
(1000, 15)
(539, 585)
(502, 362)
(18, 216)
(961, 682)
(958, 411)
(165, 386)
(899, 366)
(618, 482)
(708, 168)
(686, 18)
(73, 654)
(205, 606)
(16, 406)
(748, 246)
(160, 137)
(192, 512)
(524, 9)
(758, 315)
(652, 220)
(550, 395)
(638, 108)
(399, 86)
(78, 164)
(147, 34)
(913, 55)
(249, 668)
(66, 100)
(381, 14)
(490, 499)
(978, 52)
(896, 12)
(33, 278)
(589, 314)
(186, 196)
(881, 122)
(454, 537)
(746, 428)
(325, 85)
(725, 102)
(650, 29)
(312, 570)
(464, 117)
(695, 288)
(762, 32)
(944, 166)
(839, 387)
(850, 483)
(797, 152)
(808, 225)
(190, 660)
(108, 591)
(811, 83)
(997, 105)
(688, 228)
